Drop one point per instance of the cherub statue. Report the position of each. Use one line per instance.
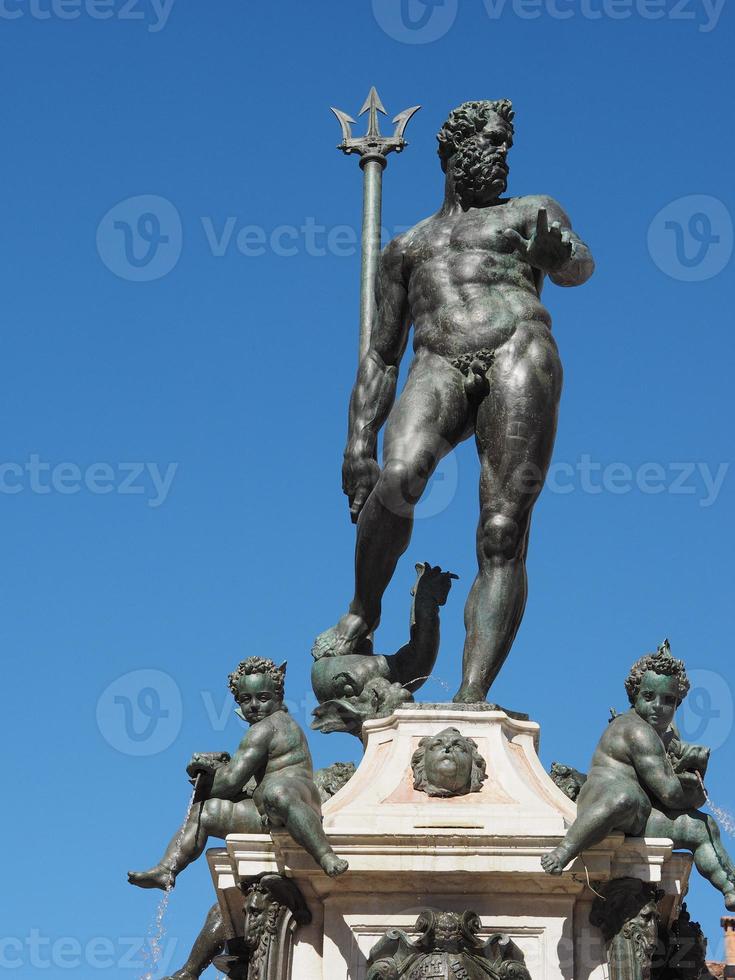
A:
(644, 781)
(352, 688)
(211, 940)
(274, 753)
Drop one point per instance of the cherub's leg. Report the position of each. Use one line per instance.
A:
(209, 943)
(699, 833)
(215, 818)
(603, 807)
(430, 418)
(290, 803)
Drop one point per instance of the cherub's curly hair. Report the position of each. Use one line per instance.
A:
(660, 662)
(466, 121)
(258, 665)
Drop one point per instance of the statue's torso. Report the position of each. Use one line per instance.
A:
(467, 288)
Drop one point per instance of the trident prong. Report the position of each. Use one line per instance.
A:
(344, 121)
(373, 149)
(373, 105)
(403, 119)
(373, 143)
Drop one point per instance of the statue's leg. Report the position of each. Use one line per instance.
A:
(515, 432)
(604, 805)
(215, 818)
(699, 833)
(431, 417)
(209, 943)
(291, 803)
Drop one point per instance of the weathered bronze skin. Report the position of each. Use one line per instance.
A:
(645, 782)
(275, 754)
(469, 279)
(359, 686)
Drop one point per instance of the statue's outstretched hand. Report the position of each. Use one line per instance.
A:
(433, 583)
(693, 786)
(359, 476)
(549, 247)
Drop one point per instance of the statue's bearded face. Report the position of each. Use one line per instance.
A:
(448, 761)
(479, 166)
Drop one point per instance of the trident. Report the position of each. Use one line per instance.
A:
(373, 148)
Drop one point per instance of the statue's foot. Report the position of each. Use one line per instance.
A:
(469, 694)
(349, 636)
(730, 900)
(158, 877)
(333, 866)
(183, 975)
(553, 863)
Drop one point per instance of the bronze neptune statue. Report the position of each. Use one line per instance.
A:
(469, 278)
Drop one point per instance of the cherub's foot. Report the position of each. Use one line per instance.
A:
(730, 900)
(469, 694)
(350, 635)
(554, 862)
(333, 866)
(158, 877)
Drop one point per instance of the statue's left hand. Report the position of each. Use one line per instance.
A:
(206, 762)
(549, 247)
(433, 583)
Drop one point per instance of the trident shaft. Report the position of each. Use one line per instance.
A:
(373, 148)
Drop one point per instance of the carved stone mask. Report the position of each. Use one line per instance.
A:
(448, 764)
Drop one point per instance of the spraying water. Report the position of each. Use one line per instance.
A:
(725, 819)
(153, 952)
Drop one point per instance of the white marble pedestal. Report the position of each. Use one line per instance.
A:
(408, 851)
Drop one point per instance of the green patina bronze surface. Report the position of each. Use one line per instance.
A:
(447, 947)
(353, 688)
(646, 782)
(269, 782)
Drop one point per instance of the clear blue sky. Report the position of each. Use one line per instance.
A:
(218, 391)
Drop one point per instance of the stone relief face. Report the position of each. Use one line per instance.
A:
(448, 935)
(448, 764)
